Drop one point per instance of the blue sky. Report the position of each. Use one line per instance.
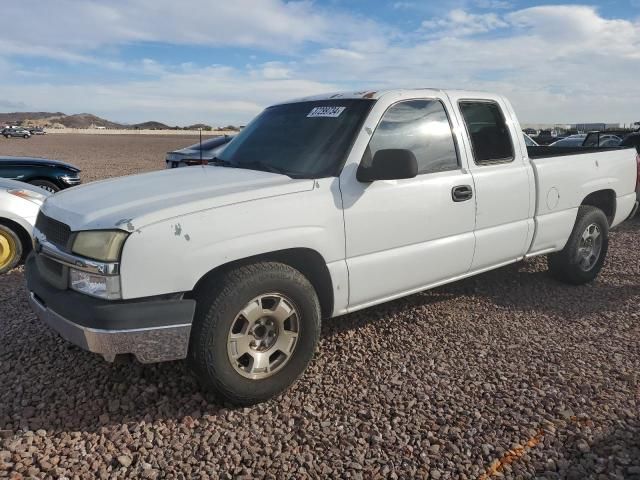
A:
(222, 62)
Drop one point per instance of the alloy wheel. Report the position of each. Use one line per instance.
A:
(263, 336)
(589, 247)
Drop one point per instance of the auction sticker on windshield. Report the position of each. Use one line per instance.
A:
(331, 112)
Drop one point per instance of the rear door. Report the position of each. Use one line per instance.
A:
(403, 235)
(503, 180)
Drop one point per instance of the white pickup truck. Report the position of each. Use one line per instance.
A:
(319, 207)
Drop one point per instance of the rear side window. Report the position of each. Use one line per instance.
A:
(490, 137)
(421, 126)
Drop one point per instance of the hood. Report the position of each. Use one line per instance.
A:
(135, 201)
(44, 162)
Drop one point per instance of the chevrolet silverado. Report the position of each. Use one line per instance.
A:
(319, 207)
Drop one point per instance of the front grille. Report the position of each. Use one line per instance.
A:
(56, 232)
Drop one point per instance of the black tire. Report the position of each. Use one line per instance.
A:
(565, 264)
(11, 247)
(45, 185)
(219, 302)
(26, 136)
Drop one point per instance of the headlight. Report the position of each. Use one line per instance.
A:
(70, 179)
(30, 195)
(95, 285)
(103, 245)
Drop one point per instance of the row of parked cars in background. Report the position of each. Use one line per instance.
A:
(599, 139)
(22, 132)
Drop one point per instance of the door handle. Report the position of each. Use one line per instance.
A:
(461, 193)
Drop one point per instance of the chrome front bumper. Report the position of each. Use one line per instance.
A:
(148, 345)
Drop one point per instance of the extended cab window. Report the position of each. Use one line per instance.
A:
(490, 137)
(421, 126)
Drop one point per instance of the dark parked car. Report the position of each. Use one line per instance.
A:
(631, 139)
(590, 140)
(191, 155)
(51, 175)
(570, 141)
(16, 132)
(545, 137)
(37, 131)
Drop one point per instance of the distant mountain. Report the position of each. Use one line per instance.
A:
(15, 117)
(85, 120)
(149, 126)
(78, 120)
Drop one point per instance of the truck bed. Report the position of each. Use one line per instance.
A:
(563, 184)
(545, 151)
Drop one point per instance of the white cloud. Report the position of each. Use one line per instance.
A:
(460, 23)
(216, 95)
(69, 26)
(493, 4)
(579, 30)
(274, 71)
(403, 5)
(557, 63)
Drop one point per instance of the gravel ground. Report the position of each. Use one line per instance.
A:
(509, 374)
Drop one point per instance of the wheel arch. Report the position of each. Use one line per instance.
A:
(605, 200)
(44, 178)
(306, 260)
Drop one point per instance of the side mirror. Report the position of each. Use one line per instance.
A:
(390, 164)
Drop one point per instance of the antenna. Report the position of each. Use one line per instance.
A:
(201, 146)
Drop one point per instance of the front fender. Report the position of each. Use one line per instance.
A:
(173, 255)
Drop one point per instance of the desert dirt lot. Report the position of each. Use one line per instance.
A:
(101, 156)
(507, 374)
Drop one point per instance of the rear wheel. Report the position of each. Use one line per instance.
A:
(10, 249)
(46, 185)
(584, 254)
(255, 331)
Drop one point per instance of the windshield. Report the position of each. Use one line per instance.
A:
(570, 141)
(305, 139)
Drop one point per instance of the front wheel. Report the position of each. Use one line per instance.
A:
(46, 185)
(255, 331)
(10, 249)
(582, 258)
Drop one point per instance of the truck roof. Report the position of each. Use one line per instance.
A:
(376, 94)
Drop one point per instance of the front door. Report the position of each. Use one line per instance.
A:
(404, 235)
